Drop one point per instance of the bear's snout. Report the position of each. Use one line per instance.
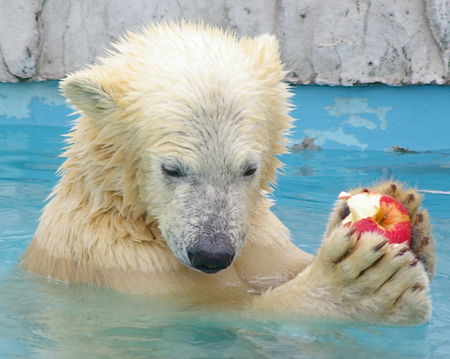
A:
(211, 256)
(208, 262)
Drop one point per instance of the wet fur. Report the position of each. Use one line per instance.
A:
(116, 220)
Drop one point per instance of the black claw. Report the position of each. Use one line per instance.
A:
(346, 254)
(392, 188)
(414, 263)
(409, 198)
(350, 233)
(416, 287)
(402, 251)
(419, 218)
(380, 245)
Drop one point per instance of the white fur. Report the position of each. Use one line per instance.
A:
(196, 101)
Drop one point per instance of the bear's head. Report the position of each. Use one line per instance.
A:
(182, 124)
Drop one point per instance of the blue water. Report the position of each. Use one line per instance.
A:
(374, 117)
(42, 318)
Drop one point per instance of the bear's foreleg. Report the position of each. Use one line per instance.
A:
(422, 244)
(366, 279)
(363, 279)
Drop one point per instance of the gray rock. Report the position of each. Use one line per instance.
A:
(344, 42)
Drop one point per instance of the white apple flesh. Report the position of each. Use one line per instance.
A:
(378, 212)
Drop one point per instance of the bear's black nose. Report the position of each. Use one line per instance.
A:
(210, 262)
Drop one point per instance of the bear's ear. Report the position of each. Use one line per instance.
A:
(265, 51)
(88, 95)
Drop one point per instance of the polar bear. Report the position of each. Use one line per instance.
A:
(165, 183)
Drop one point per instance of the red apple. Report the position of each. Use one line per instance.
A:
(378, 212)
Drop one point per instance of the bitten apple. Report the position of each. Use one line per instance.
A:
(378, 212)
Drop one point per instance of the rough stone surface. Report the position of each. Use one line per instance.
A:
(19, 39)
(438, 15)
(344, 42)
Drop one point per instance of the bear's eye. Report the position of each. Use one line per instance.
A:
(250, 171)
(172, 171)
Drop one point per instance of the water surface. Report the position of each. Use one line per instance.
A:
(43, 318)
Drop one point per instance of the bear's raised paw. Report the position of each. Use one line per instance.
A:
(422, 244)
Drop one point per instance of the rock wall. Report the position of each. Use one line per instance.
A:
(345, 42)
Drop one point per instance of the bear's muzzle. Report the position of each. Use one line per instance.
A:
(212, 255)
